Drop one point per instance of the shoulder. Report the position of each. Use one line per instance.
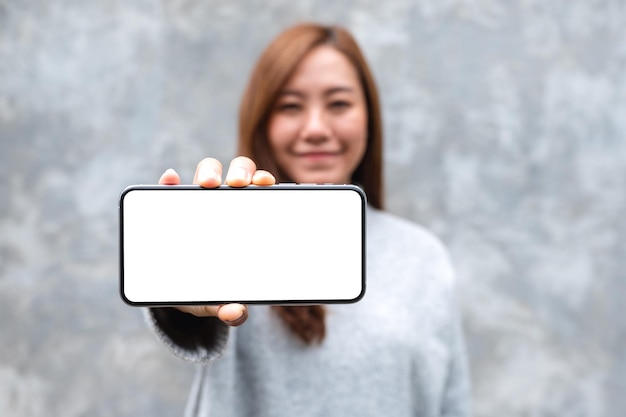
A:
(382, 224)
(400, 238)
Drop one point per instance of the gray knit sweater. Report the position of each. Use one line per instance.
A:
(398, 352)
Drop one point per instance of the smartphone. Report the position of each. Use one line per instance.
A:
(280, 244)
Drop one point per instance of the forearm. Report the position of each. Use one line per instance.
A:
(196, 339)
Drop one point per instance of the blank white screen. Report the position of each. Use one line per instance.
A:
(260, 244)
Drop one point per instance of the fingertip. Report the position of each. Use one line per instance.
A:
(262, 177)
(238, 177)
(208, 173)
(240, 172)
(210, 182)
(169, 177)
(233, 314)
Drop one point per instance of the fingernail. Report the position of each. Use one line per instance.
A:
(238, 173)
(208, 173)
(241, 315)
(170, 171)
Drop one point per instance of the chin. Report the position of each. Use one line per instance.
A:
(320, 177)
(322, 180)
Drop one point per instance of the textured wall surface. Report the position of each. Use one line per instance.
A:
(506, 135)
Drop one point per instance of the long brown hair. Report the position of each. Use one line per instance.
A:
(273, 69)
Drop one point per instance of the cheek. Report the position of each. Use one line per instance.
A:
(279, 133)
(358, 142)
(354, 130)
(274, 134)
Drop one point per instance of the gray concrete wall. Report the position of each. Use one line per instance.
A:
(506, 135)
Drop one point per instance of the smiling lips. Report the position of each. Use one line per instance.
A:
(317, 156)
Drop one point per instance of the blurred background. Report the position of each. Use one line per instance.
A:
(505, 132)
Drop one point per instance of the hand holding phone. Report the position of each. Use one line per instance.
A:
(286, 244)
(208, 174)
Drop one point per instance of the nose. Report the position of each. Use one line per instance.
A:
(316, 127)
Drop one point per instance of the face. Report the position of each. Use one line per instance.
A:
(318, 126)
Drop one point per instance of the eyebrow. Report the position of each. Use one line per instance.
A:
(329, 92)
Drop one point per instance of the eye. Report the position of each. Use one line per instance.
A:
(288, 107)
(338, 105)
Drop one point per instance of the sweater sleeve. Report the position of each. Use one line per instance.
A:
(457, 392)
(456, 395)
(195, 339)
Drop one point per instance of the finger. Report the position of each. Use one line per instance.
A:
(240, 172)
(169, 177)
(208, 173)
(200, 311)
(262, 177)
(233, 314)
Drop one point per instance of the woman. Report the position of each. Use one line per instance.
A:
(311, 114)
